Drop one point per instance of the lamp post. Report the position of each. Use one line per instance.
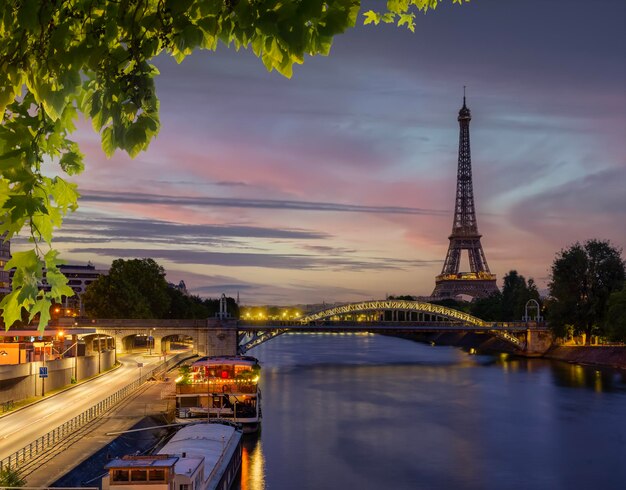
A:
(43, 379)
(150, 340)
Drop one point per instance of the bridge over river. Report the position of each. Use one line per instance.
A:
(227, 336)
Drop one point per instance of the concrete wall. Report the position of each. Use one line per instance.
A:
(214, 341)
(21, 381)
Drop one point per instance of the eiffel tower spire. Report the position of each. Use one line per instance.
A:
(478, 281)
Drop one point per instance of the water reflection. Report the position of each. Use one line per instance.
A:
(375, 412)
(252, 464)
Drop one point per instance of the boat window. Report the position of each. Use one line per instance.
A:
(157, 475)
(120, 475)
(139, 475)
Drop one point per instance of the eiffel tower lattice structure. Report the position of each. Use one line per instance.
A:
(479, 281)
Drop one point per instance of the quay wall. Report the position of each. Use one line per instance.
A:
(597, 355)
(21, 381)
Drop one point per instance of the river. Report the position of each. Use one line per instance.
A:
(367, 412)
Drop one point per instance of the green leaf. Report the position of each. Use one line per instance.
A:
(58, 284)
(11, 309)
(72, 162)
(42, 307)
(371, 17)
(65, 194)
(23, 260)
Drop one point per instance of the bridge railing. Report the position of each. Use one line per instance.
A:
(47, 442)
(131, 322)
(262, 324)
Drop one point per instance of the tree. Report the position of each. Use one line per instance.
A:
(508, 305)
(10, 477)
(582, 280)
(61, 58)
(489, 308)
(515, 294)
(133, 289)
(615, 323)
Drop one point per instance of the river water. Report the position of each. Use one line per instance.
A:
(365, 412)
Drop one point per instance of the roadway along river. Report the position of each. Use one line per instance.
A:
(24, 426)
(371, 412)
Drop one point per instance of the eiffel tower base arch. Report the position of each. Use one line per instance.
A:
(449, 288)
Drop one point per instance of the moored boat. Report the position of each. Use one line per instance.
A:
(221, 388)
(202, 456)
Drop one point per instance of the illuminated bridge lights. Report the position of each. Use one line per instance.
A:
(399, 305)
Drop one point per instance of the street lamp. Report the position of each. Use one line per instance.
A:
(99, 355)
(150, 340)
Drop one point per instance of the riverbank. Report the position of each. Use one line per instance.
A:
(596, 355)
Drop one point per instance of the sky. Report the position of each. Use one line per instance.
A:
(339, 184)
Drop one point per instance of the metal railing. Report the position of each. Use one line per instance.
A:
(203, 389)
(46, 442)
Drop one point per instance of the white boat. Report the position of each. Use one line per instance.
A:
(222, 388)
(202, 456)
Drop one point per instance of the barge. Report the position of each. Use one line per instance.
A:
(201, 456)
(220, 388)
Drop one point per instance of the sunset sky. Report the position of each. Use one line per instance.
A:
(338, 185)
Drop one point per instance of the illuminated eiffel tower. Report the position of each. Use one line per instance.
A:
(479, 281)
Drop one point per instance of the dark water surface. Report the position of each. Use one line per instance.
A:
(365, 412)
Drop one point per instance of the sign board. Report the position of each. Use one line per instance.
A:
(140, 364)
(43, 372)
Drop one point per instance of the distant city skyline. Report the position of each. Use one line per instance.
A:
(338, 185)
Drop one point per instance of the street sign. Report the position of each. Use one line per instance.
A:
(140, 364)
(43, 372)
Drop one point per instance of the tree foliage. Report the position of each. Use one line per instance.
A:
(10, 477)
(63, 58)
(615, 323)
(137, 288)
(133, 289)
(191, 306)
(582, 280)
(509, 304)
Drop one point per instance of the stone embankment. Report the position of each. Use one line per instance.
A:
(609, 356)
(605, 356)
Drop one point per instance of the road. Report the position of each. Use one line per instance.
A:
(24, 426)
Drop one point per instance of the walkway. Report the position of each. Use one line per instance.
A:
(146, 401)
(19, 428)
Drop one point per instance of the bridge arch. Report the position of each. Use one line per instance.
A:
(374, 316)
(435, 312)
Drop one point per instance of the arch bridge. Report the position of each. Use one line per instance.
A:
(394, 317)
(227, 336)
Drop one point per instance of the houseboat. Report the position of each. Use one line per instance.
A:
(222, 388)
(202, 456)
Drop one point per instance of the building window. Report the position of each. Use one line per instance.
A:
(183, 486)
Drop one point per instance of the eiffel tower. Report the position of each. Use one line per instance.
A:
(479, 282)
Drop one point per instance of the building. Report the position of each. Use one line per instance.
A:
(78, 278)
